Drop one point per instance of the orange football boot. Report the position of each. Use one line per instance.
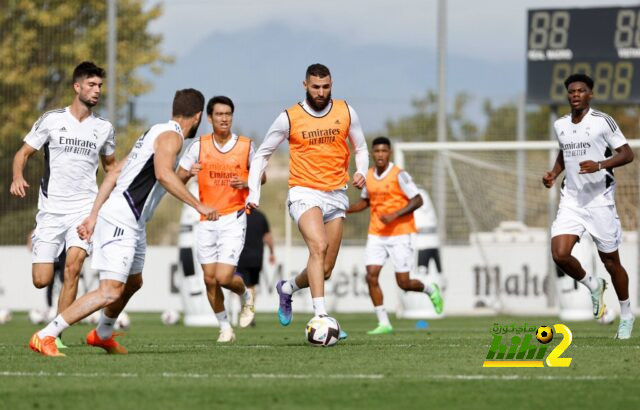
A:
(46, 346)
(110, 344)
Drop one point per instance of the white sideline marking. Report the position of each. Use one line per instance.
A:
(194, 375)
(517, 377)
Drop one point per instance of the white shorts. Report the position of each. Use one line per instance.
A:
(53, 232)
(398, 248)
(118, 250)
(602, 223)
(333, 204)
(221, 241)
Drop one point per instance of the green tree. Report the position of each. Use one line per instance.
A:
(41, 41)
(422, 125)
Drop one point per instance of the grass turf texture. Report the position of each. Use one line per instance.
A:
(174, 367)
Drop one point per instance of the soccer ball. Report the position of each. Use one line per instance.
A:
(92, 319)
(544, 334)
(170, 317)
(122, 322)
(322, 331)
(37, 316)
(5, 316)
(608, 317)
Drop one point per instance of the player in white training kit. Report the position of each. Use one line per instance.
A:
(587, 139)
(130, 194)
(74, 140)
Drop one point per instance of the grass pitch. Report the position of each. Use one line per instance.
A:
(272, 367)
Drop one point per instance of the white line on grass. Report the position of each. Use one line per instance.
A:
(194, 375)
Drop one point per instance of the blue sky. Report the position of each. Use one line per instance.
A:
(382, 53)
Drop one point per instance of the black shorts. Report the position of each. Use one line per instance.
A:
(250, 274)
(425, 255)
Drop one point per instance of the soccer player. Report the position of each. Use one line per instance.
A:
(317, 129)
(125, 202)
(221, 160)
(74, 140)
(250, 262)
(392, 196)
(587, 138)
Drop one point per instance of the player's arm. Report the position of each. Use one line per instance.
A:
(550, 176)
(85, 229)
(413, 204)
(268, 240)
(624, 155)
(108, 162)
(410, 189)
(183, 174)
(19, 184)
(277, 133)
(166, 147)
(356, 136)
(238, 183)
(361, 205)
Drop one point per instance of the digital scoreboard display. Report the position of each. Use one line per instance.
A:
(603, 43)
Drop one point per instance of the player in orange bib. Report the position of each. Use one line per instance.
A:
(392, 196)
(221, 162)
(317, 130)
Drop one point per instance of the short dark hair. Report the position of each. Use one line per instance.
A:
(187, 103)
(87, 69)
(318, 70)
(219, 99)
(583, 78)
(381, 140)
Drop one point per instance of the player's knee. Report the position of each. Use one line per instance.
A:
(372, 280)
(210, 281)
(134, 284)
(72, 271)
(318, 248)
(110, 293)
(40, 282)
(403, 284)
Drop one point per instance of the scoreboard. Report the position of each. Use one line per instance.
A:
(603, 43)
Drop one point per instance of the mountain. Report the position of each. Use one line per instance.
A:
(262, 70)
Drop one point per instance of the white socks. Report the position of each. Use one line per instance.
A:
(105, 326)
(427, 289)
(625, 310)
(246, 296)
(223, 320)
(290, 286)
(383, 318)
(318, 306)
(590, 281)
(54, 328)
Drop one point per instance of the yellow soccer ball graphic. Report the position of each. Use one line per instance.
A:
(544, 334)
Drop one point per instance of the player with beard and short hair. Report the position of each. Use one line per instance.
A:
(125, 202)
(317, 130)
(74, 140)
(587, 139)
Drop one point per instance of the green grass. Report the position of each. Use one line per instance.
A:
(272, 367)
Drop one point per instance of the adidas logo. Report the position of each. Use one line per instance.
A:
(337, 122)
(63, 129)
(561, 133)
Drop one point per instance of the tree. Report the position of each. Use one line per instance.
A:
(41, 41)
(422, 125)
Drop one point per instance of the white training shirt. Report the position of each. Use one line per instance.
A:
(594, 138)
(137, 192)
(71, 150)
(426, 224)
(192, 154)
(279, 131)
(404, 180)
